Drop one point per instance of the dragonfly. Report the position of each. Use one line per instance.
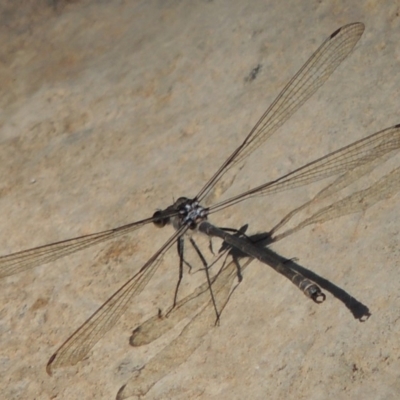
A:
(188, 215)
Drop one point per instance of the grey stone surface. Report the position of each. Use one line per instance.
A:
(110, 110)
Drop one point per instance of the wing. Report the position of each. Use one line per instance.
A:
(347, 158)
(26, 259)
(300, 88)
(84, 338)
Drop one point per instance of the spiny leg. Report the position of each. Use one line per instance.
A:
(180, 248)
(204, 262)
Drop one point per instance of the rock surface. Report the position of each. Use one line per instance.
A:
(109, 111)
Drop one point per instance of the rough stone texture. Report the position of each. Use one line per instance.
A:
(110, 110)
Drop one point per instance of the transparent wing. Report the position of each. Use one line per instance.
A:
(26, 259)
(81, 341)
(300, 88)
(341, 161)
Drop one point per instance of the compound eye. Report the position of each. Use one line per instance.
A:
(159, 221)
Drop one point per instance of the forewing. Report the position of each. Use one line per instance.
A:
(301, 87)
(359, 153)
(18, 262)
